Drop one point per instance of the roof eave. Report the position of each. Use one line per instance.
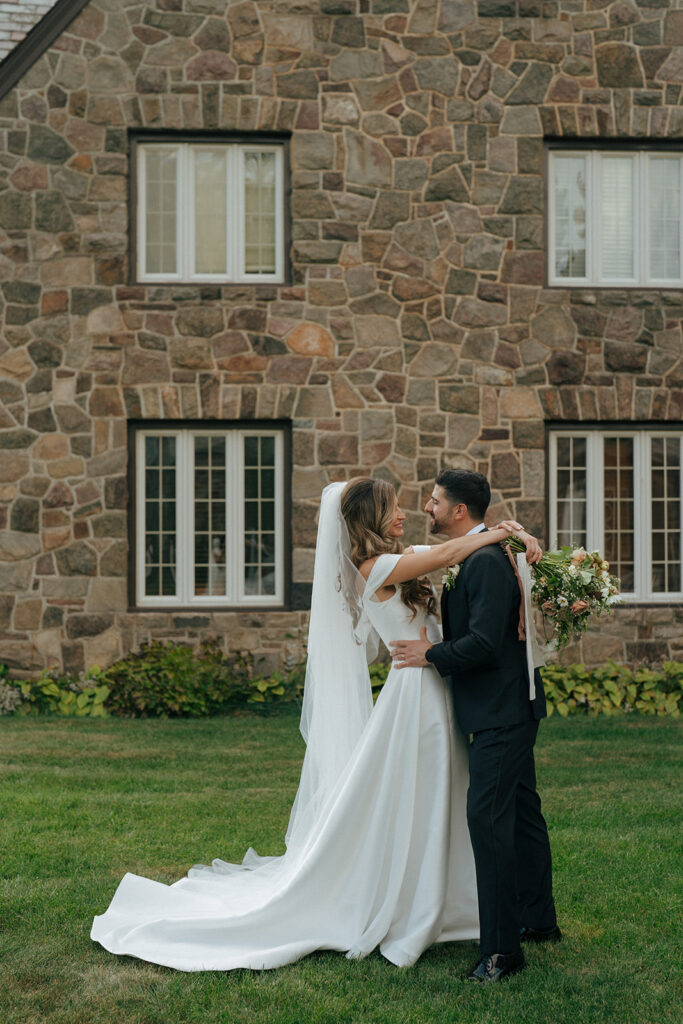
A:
(37, 41)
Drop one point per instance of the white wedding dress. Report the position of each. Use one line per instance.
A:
(386, 860)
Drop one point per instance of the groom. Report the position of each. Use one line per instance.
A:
(486, 663)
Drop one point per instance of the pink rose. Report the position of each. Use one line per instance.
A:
(578, 607)
(548, 607)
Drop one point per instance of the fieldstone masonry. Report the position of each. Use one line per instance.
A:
(416, 330)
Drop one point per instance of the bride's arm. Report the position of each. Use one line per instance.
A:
(410, 566)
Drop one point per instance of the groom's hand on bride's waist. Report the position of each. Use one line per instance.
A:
(411, 653)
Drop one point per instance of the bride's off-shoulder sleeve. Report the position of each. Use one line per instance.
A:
(381, 570)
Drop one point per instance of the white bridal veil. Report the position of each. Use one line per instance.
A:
(337, 692)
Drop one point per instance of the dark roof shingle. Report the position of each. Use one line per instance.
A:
(17, 17)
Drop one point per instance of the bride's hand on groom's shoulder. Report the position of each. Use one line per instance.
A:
(534, 551)
(510, 525)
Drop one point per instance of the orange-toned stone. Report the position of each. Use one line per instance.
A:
(51, 446)
(53, 517)
(375, 452)
(54, 302)
(56, 538)
(169, 397)
(16, 364)
(344, 395)
(502, 53)
(246, 363)
(518, 403)
(101, 436)
(311, 340)
(81, 162)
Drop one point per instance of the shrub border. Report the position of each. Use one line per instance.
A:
(176, 680)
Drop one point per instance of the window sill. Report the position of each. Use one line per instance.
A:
(204, 609)
(280, 283)
(575, 286)
(652, 602)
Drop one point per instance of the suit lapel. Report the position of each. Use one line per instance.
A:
(444, 617)
(445, 623)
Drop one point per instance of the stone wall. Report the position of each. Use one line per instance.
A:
(416, 330)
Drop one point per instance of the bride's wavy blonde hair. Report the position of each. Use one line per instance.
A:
(368, 507)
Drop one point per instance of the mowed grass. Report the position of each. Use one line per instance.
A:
(84, 801)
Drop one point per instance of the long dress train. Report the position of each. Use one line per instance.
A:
(387, 862)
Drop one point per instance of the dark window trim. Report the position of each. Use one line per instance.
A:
(133, 426)
(607, 425)
(556, 143)
(563, 142)
(34, 44)
(136, 137)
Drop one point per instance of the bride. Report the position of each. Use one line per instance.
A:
(378, 849)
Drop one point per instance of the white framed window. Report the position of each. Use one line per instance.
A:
(620, 491)
(210, 212)
(615, 218)
(210, 516)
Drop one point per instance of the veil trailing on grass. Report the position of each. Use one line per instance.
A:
(337, 691)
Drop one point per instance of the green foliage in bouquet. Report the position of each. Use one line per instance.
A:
(569, 586)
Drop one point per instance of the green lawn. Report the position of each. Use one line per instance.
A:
(84, 801)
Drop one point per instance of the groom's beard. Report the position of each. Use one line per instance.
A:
(443, 527)
(435, 526)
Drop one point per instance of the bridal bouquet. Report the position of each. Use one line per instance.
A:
(569, 586)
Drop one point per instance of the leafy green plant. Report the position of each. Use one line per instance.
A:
(612, 689)
(177, 680)
(65, 695)
(608, 690)
(378, 677)
(276, 688)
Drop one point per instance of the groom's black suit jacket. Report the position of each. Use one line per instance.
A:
(481, 651)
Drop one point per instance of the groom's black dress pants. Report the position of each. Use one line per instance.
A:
(509, 837)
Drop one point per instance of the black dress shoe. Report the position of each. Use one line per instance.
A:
(497, 966)
(540, 935)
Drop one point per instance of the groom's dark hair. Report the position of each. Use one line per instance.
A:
(465, 487)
